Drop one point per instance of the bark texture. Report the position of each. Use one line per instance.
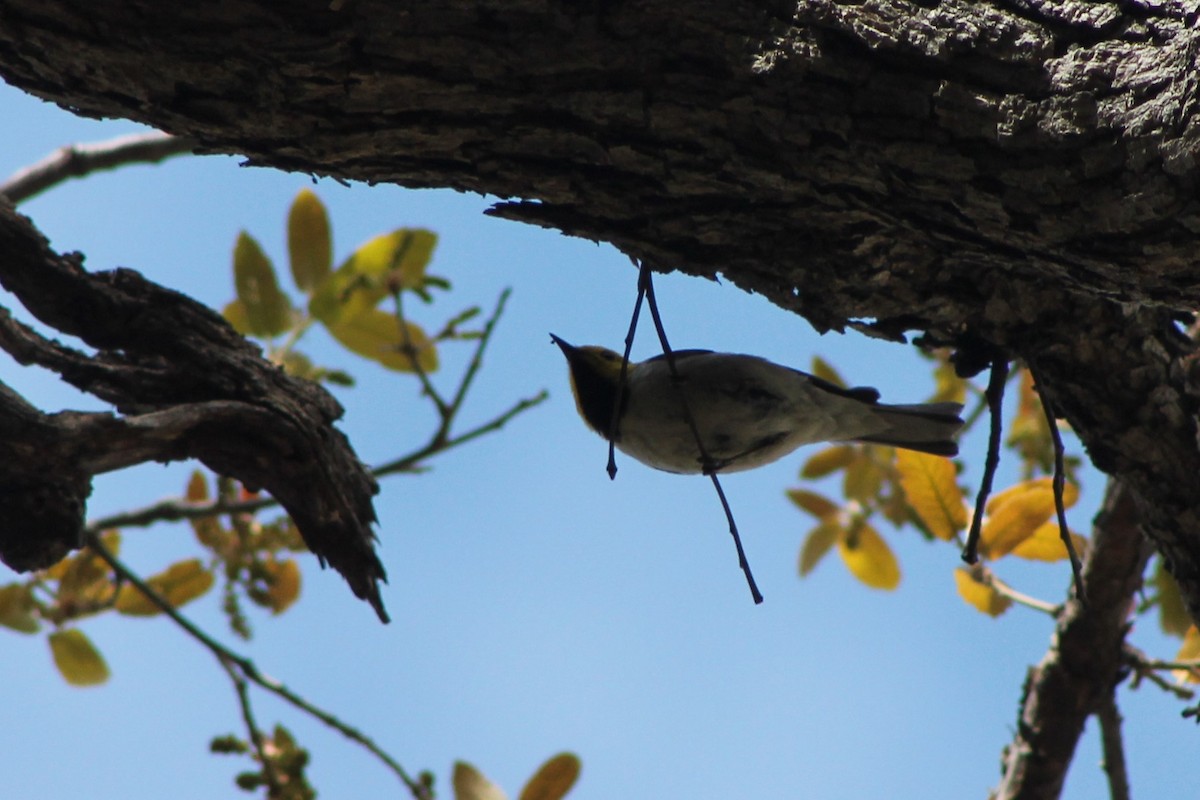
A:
(1016, 177)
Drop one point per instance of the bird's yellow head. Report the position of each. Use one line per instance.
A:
(595, 375)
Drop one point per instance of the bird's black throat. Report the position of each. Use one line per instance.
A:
(597, 397)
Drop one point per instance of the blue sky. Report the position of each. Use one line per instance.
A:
(537, 606)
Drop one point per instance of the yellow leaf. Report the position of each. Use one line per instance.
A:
(815, 504)
(1188, 651)
(929, 483)
(17, 607)
(817, 544)
(1046, 544)
(869, 558)
(1173, 615)
(825, 371)
(553, 779)
(471, 784)
(310, 244)
(1070, 493)
(980, 594)
(863, 479)
(376, 335)
(238, 317)
(268, 311)
(77, 659)
(179, 584)
(197, 487)
(283, 584)
(395, 260)
(826, 461)
(1017, 512)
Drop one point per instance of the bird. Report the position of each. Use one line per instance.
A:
(748, 411)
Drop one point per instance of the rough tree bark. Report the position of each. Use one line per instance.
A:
(1015, 177)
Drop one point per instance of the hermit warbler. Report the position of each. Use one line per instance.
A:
(747, 410)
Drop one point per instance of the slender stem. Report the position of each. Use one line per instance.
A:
(255, 734)
(238, 664)
(643, 279)
(708, 467)
(1059, 484)
(995, 397)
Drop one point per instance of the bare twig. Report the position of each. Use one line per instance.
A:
(995, 398)
(253, 732)
(1019, 597)
(709, 468)
(237, 664)
(1060, 477)
(1114, 748)
(78, 160)
(621, 377)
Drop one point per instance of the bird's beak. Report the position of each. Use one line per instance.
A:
(562, 345)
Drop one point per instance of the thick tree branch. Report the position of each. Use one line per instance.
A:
(1086, 659)
(189, 387)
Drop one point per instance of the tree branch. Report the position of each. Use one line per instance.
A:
(1085, 661)
(80, 160)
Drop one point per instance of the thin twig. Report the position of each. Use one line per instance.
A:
(643, 273)
(78, 160)
(1060, 477)
(995, 397)
(1015, 595)
(248, 670)
(708, 467)
(257, 741)
(1113, 747)
(411, 351)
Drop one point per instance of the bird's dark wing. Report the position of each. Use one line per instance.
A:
(865, 394)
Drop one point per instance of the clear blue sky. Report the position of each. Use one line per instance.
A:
(537, 606)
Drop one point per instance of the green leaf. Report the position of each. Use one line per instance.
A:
(310, 244)
(1173, 615)
(16, 608)
(77, 659)
(395, 260)
(553, 779)
(377, 335)
(268, 311)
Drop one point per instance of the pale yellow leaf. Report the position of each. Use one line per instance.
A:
(377, 335)
(825, 371)
(1017, 512)
(553, 779)
(77, 659)
(815, 504)
(1188, 651)
(979, 594)
(268, 311)
(869, 558)
(863, 479)
(179, 584)
(930, 484)
(1046, 544)
(826, 461)
(471, 784)
(1173, 615)
(310, 244)
(818, 542)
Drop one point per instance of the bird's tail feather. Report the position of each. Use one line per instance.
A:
(925, 427)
